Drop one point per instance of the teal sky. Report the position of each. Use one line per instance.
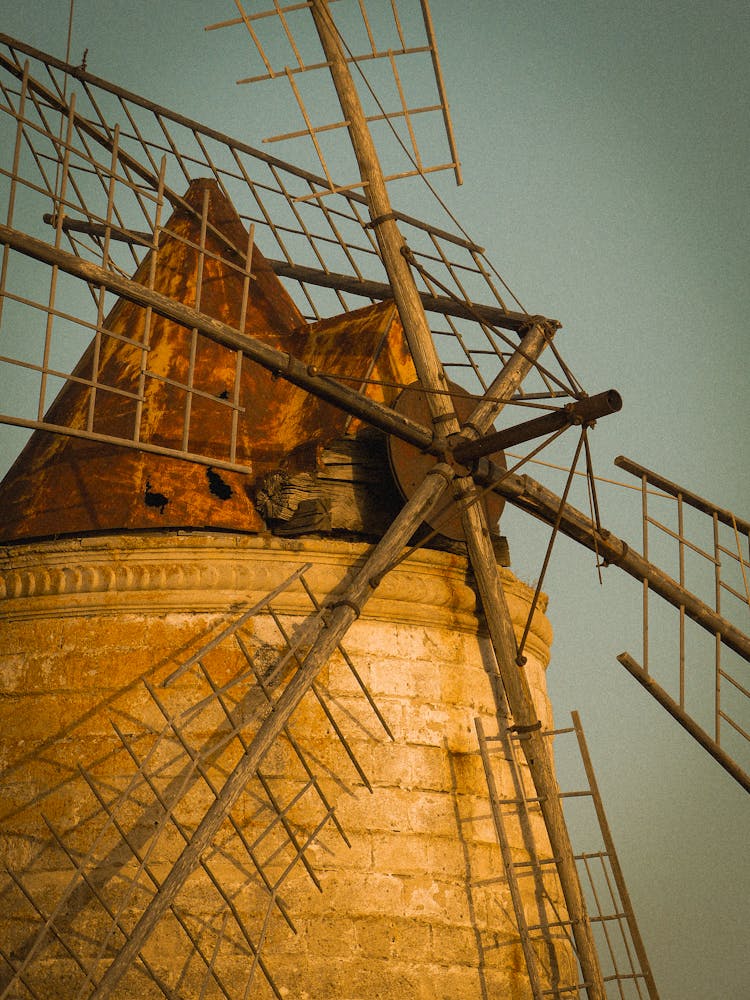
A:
(605, 153)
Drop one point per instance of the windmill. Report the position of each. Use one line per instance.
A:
(400, 421)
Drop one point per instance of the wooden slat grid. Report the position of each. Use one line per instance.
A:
(284, 45)
(707, 549)
(543, 925)
(90, 168)
(137, 808)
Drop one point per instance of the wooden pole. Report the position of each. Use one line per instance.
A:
(443, 304)
(389, 238)
(432, 376)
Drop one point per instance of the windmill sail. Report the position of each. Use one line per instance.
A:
(383, 42)
(105, 193)
(543, 928)
(709, 550)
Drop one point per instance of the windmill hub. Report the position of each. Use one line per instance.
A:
(409, 465)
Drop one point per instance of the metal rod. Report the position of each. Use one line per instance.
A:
(193, 349)
(427, 16)
(681, 544)
(152, 449)
(581, 412)
(60, 198)
(100, 312)
(688, 723)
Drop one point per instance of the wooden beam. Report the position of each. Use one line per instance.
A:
(534, 745)
(442, 304)
(689, 724)
(390, 241)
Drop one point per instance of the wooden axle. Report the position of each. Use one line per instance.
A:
(584, 412)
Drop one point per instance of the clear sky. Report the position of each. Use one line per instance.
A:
(605, 153)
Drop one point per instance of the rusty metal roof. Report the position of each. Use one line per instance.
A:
(64, 485)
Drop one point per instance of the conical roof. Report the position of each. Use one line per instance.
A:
(62, 485)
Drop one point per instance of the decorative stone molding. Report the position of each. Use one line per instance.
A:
(204, 572)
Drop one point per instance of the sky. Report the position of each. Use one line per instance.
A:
(604, 149)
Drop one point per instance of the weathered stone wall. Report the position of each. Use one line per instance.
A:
(412, 908)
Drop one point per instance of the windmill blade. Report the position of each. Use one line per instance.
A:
(378, 40)
(539, 919)
(536, 499)
(107, 200)
(533, 497)
(709, 546)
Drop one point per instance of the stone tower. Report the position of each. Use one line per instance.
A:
(117, 566)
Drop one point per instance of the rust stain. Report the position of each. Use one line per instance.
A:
(63, 485)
